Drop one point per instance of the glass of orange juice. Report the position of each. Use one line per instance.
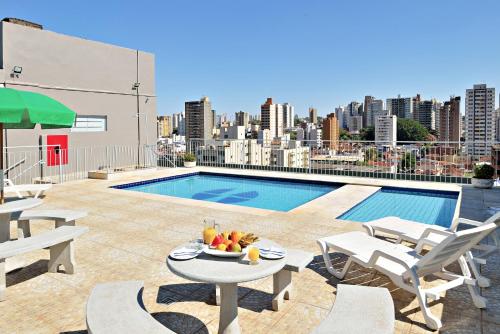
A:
(253, 255)
(209, 231)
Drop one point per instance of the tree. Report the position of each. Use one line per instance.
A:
(293, 135)
(408, 163)
(344, 135)
(367, 133)
(410, 130)
(371, 154)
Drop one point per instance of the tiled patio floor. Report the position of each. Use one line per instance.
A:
(131, 234)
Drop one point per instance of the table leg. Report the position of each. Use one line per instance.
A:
(228, 320)
(12, 263)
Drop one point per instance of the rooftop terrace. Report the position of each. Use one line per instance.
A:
(132, 233)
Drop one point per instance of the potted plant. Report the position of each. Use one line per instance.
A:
(483, 176)
(189, 160)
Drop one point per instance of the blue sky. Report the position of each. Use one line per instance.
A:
(309, 53)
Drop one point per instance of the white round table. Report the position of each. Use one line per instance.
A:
(6, 211)
(227, 273)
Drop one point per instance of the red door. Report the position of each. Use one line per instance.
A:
(57, 150)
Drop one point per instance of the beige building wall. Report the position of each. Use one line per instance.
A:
(92, 78)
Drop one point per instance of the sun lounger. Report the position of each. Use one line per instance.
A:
(411, 231)
(35, 190)
(405, 266)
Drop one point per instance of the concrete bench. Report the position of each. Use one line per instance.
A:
(296, 261)
(117, 308)
(60, 218)
(60, 242)
(359, 310)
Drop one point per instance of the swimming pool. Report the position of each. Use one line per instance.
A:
(257, 192)
(428, 207)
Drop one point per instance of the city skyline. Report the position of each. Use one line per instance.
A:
(320, 68)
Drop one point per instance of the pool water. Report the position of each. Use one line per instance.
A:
(428, 207)
(263, 193)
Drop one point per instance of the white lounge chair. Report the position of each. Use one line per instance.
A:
(36, 190)
(411, 231)
(405, 266)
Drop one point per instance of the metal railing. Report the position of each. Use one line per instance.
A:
(51, 164)
(451, 162)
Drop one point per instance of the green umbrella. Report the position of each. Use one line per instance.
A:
(24, 110)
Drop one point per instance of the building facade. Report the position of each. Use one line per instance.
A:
(449, 121)
(199, 119)
(372, 107)
(165, 126)
(241, 118)
(313, 115)
(480, 129)
(331, 132)
(402, 107)
(288, 115)
(271, 117)
(386, 130)
(111, 88)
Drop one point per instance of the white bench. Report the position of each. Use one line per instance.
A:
(60, 242)
(296, 261)
(60, 218)
(359, 310)
(117, 308)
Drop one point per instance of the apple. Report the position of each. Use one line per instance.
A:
(235, 247)
(221, 247)
(217, 240)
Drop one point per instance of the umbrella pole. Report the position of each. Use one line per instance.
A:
(1, 165)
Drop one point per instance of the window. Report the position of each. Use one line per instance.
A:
(85, 123)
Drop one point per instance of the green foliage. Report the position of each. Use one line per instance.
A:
(189, 157)
(408, 163)
(484, 171)
(410, 130)
(293, 135)
(344, 135)
(367, 133)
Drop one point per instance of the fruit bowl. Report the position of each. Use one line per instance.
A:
(219, 253)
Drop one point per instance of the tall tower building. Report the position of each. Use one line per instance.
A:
(400, 106)
(449, 121)
(165, 127)
(340, 113)
(371, 108)
(424, 112)
(386, 130)
(331, 132)
(479, 116)
(288, 115)
(271, 116)
(199, 120)
(313, 115)
(241, 118)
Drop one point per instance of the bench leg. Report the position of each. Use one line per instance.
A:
(282, 287)
(23, 229)
(62, 254)
(3, 280)
(60, 223)
(217, 294)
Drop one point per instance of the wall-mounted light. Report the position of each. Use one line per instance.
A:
(17, 70)
(136, 85)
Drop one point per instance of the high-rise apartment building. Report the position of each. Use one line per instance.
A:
(199, 119)
(311, 135)
(355, 124)
(354, 108)
(498, 123)
(342, 117)
(241, 118)
(424, 112)
(371, 108)
(331, 132)
(386, 130)
(401, 107)
(449, 121)
(313, 115)
(165, 127)
(480, 130)
(271, 117)
(288, 115)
